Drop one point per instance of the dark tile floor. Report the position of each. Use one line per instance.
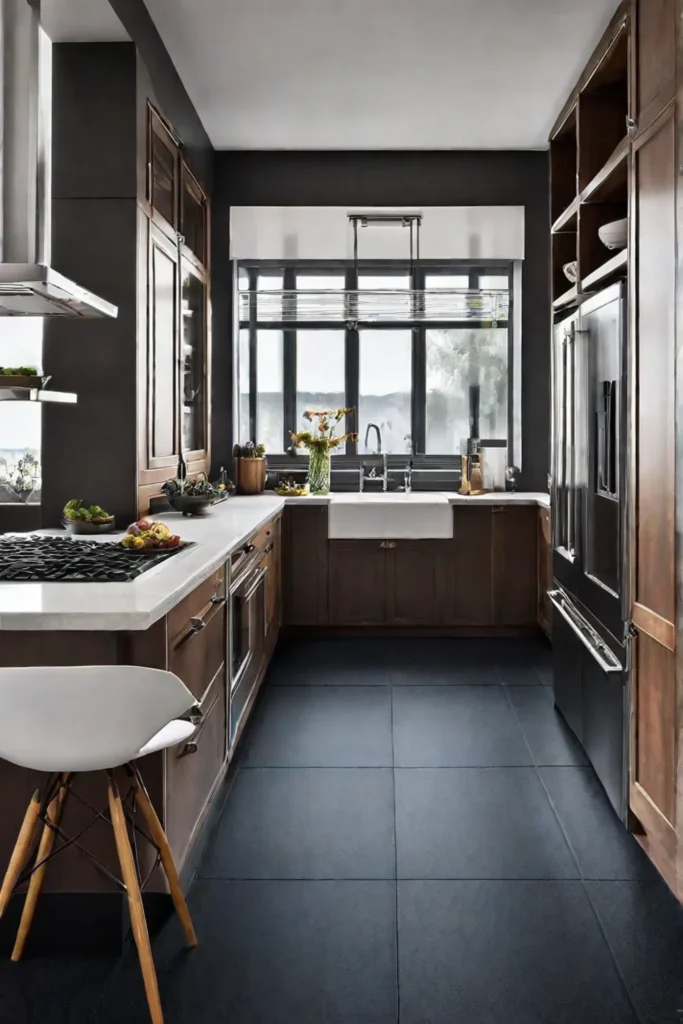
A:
(412, 836)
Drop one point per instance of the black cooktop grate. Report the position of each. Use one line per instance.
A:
(62, 560)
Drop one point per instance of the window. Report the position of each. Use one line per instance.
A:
(270, 414)
(319, 372)
(393, 347)
(21, 344)
(385, 389)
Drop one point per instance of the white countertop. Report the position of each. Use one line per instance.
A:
(141, 602)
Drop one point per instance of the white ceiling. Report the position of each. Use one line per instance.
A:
(81, 21)
(379, 74)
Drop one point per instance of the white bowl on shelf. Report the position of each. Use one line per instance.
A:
(569, 271)
(615, 234)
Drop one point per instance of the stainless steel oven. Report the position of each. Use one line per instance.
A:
(248, 620)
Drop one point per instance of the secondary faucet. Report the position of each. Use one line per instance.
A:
(373, 426)
(373, 473)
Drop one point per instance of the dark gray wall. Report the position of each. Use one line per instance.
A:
(166, 88)
(89, 450)
(396, 179)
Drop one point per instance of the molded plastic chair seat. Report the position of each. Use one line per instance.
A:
(170, 736)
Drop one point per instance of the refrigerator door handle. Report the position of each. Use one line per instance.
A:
(588, 637)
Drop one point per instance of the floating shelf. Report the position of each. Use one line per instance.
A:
(611, 267)
(567, 298)
(568, 219)
(36, 395)
(611, 179)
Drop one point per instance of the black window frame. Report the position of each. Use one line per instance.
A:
(289, 270)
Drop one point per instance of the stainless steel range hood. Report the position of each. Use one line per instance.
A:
(28, 284)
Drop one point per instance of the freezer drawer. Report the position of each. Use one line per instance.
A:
(590, 692)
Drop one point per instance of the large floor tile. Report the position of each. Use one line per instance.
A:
(275, 953)
(444, 662)
(488, 952)
(549, 738)
(477, 823)
(331, 662)
(600, 842)
(56, 989)
(322, 726)
(455, 726)
(643, 922)
(306, 823)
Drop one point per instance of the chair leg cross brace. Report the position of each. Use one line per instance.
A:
(48, 810)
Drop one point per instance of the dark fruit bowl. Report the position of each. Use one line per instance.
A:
(190, 504)
(80, 527)
(153, 552)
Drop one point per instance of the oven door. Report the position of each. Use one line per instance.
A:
(248, 636)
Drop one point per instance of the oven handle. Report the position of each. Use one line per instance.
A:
(592, 643)
(256, 582)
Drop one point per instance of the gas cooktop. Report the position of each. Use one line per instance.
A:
(61, 560)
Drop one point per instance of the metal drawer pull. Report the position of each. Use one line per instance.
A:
(388, 544)
(192, 744)
(588, 637)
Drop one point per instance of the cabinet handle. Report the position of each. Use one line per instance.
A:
(499, 508)
(630, 124)
(192, 744)
(268, 549)
(388, 544)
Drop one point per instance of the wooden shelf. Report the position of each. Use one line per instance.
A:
(611, 268)
(567, 221)
(612, 179)
(567, 298)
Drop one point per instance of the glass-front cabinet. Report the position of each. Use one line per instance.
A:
(173, 316)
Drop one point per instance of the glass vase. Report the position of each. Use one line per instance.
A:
(319, 470)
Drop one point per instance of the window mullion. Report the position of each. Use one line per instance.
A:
(418, 396)
(289, 367)
(253, 335)
(352, 366)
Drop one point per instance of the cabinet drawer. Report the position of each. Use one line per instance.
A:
(192, 769)
(199, 652)
(195, 605)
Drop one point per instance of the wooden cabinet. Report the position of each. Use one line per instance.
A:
(357, 583)
(492, 566)
(273, 559)
(393, 583)
(655, 722)
(304, 565)
(656, 58)
(470, 568)
(514, 564)
(173, 318)
(545, 570)
(415, 582)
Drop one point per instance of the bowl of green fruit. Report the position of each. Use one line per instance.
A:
(80, 518)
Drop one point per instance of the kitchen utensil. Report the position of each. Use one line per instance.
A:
(615, 234)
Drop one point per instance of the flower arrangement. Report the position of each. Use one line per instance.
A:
(320, 442)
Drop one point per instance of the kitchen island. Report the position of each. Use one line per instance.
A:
(212, 613)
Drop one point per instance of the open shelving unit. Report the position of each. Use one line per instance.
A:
(589, 171)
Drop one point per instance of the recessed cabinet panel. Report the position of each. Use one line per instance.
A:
(414, 578)
(165, 163)
(193, 216)
(304, 568)
(357, 583)
(656, 49)
(470, 567)
(515, 565)
(162, 361)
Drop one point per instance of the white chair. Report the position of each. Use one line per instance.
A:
(83, 719)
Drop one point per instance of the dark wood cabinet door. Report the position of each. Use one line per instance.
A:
(656, 50)
(357, 582)
(195, 359)
(415, 571)
(193, 216)
(515, 570)
(272, 555)
(162, 392)
(469, 567)
(304, 565)
(545, 570)
(164, 170)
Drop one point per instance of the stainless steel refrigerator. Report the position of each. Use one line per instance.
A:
(590, 631)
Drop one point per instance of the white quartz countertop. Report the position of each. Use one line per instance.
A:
(136, 605)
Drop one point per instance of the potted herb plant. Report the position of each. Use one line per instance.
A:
(251, 467)
(320, 442)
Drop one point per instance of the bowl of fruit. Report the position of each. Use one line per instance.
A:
(149, 538)
(80, 518)
(192, 497)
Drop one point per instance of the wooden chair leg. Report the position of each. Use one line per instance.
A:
(137, 911)
(54, 814)
(21, 851)
(159, 836)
